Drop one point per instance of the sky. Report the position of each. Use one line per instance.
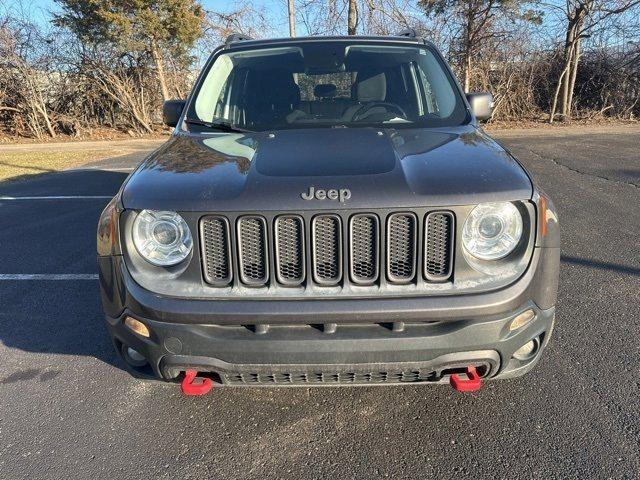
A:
(275, 11)
(273, 8)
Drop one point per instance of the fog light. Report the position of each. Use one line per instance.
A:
(522, 319)
(137, 326)
(527, 351)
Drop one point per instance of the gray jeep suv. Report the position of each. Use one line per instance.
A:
(328, 212)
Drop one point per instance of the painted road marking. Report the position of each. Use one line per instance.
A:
(102, 169)
(58, 197)
(48, 276)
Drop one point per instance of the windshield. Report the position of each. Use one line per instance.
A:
(327, 84)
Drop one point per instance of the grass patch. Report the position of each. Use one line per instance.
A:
(23, 164)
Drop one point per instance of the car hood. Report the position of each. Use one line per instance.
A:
(380, 168)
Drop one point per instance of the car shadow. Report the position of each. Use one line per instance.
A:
(629, 172)
(53, 236)
(615, 267)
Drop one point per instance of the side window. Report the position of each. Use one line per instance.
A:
(439, 96)
(432, 102)
(222, 104)
(416, 88)
(413, 94)
(211, 92)
(237, 95)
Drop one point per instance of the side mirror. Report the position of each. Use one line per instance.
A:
(171, 111)
(481, 105)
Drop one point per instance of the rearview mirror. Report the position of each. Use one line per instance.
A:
(171, 111)
(481, 105)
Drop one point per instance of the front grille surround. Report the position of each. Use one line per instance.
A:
(253, 250)
(439, 228)
(215, 241)
(364, 248)
(402, 251)
(289, 247)
(326, 249)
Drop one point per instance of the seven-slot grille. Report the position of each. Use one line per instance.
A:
(325, 247)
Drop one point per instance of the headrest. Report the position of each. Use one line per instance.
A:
(325, 90)
(274, 86)
(371, 86)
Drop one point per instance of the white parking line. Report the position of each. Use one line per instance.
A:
(48, 276)
(58, 197)
(109, 169)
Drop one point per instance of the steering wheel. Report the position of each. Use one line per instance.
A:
(369, 106)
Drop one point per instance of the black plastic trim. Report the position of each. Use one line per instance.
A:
(452, 239)
(338, 278)
(303, 260)
(265, 251)
(392, 278)
(211, 281)
(354, 278)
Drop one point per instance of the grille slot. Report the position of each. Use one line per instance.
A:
(401, 247)
(216, 246)
(438, 246)
(289, 245)
(364, 234)
(326, 239)
(252, 250)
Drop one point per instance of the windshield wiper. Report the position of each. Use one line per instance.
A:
(221, 125)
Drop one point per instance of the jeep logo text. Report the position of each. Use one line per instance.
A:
(342, 194)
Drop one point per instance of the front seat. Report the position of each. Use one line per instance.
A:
(370, 86)
(274, 95)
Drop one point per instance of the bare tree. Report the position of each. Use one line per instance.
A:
(475, 21)
(24, 75)
(581, 18)
(245, 18)
(292, 18)
(352, 17)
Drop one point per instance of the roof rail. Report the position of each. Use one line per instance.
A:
(237, 37)
(407, 32)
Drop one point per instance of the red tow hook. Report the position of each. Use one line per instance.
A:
(473, 384)
(193, 385)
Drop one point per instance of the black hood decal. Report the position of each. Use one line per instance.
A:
(345, 151)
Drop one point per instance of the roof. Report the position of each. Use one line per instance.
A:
(237, 40)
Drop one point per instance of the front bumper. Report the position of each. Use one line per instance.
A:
(328, 342)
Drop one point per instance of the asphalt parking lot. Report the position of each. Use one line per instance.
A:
(68, 410)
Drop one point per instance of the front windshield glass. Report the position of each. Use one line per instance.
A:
(328, 84)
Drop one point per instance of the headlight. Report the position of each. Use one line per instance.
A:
(162, 238)
(492, 230)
